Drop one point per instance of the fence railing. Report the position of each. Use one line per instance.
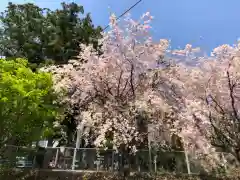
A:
(68, 158)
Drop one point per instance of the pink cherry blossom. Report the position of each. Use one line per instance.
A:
(126, 86)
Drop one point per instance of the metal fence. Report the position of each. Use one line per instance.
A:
(91, 159)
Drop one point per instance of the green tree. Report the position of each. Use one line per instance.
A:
(39, 34)
(27, 103)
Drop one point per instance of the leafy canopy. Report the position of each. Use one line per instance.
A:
(26, 102)
(38, 33)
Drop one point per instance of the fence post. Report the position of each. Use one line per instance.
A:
(138, 162)
(187, 161)
(56, 157)
(112, 160)
(74, 158)
(150, 156)
(78, 141)
(34, 162)
(155, 163)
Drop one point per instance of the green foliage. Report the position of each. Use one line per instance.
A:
(26, 102)
(38, 33)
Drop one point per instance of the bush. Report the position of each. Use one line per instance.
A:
(64, 175)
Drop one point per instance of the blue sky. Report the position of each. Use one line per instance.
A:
(182, 21)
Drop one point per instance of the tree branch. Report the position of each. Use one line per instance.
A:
(132, 79)
(231, 89)
(119, 83)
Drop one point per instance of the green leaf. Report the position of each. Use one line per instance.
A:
(27, 105)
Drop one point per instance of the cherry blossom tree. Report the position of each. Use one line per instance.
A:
(210, 116)
(120, 93)
(223, 99)
(115, 91)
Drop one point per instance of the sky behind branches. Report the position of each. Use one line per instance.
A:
(204, 23)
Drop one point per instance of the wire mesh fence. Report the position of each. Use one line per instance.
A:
(90, 159)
